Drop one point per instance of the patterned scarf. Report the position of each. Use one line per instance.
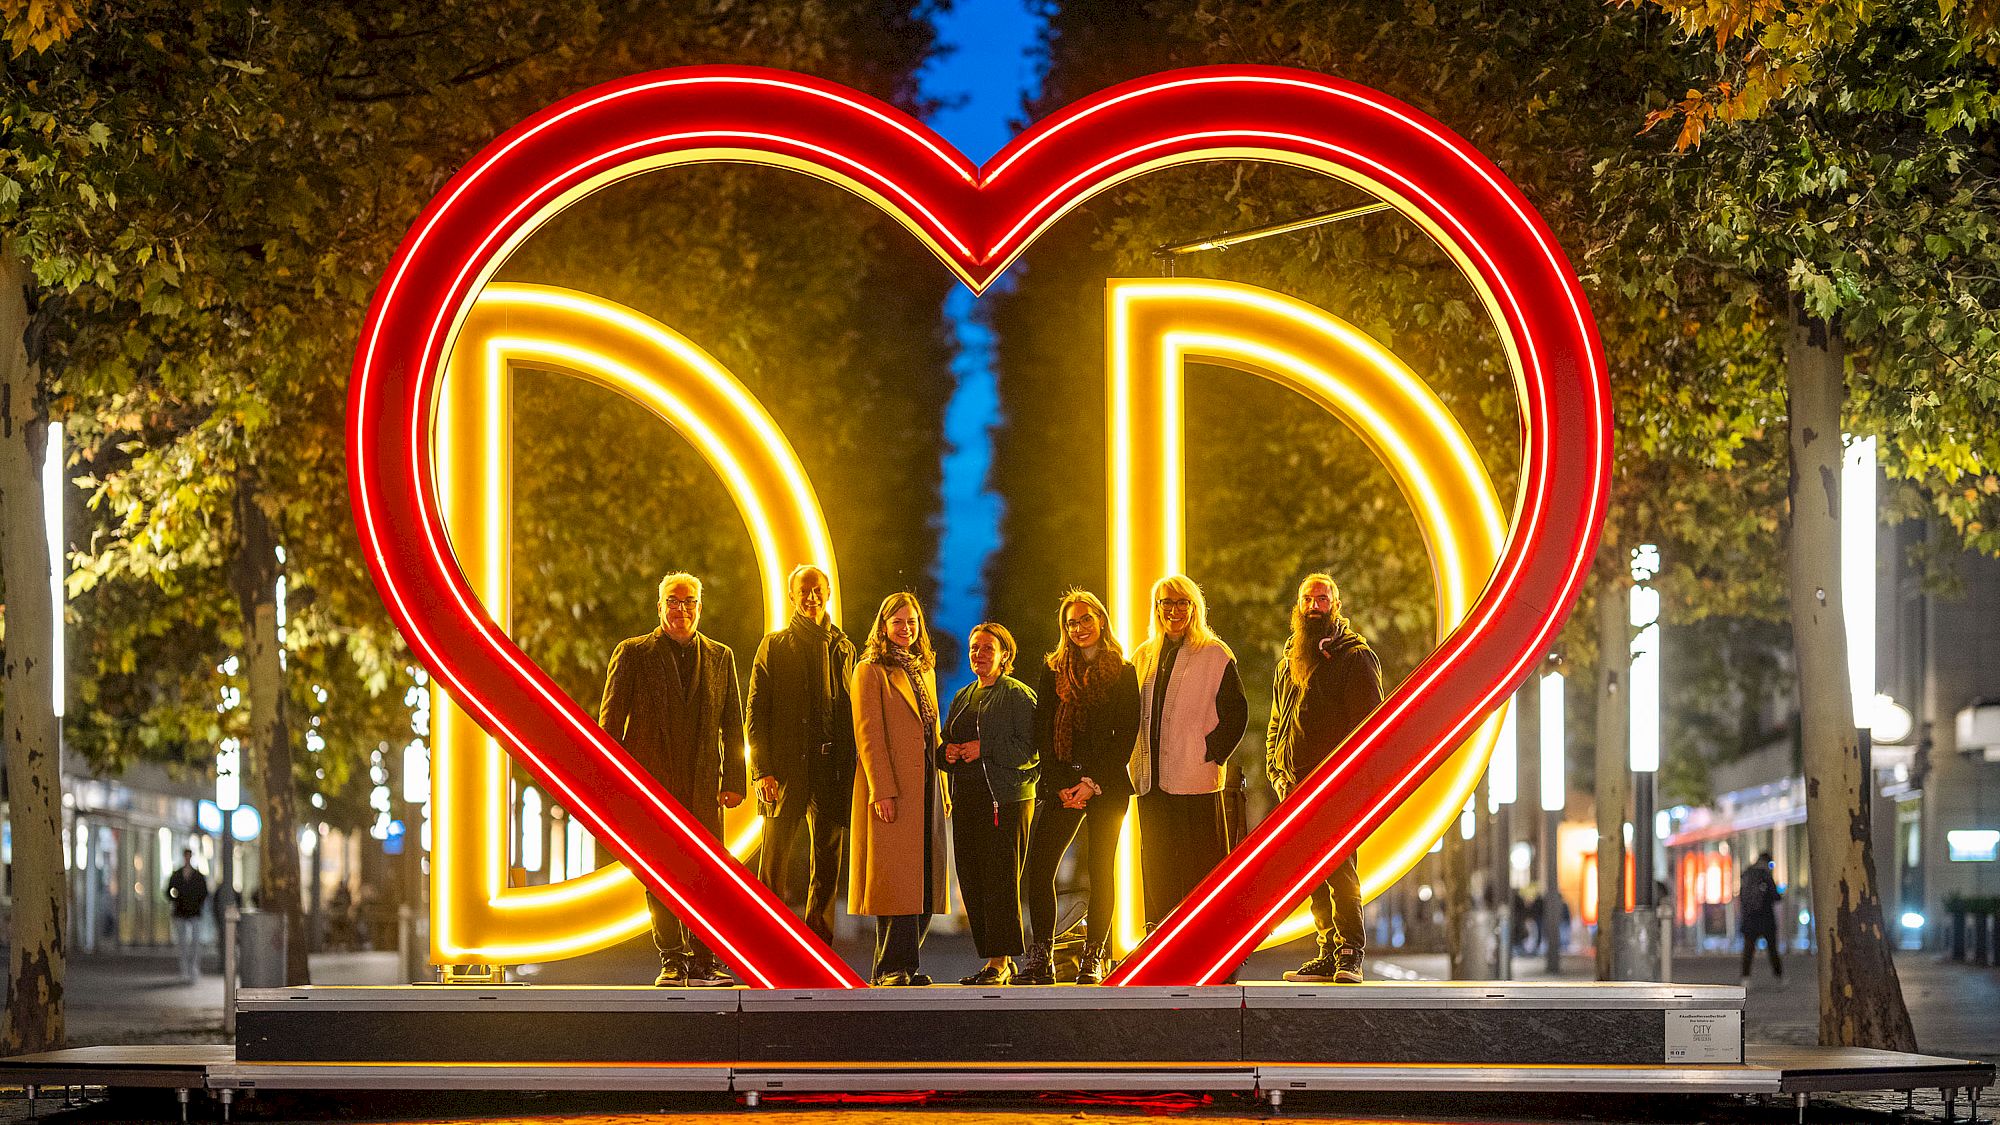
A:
(1076, 693)
(915, 667)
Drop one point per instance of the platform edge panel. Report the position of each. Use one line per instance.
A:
(434, 998)
(1810, 1070)
(1520, 1079)
(1503, 1035)
(1034, 1030)
(1057, 997)
(321, 1034)
(1491, 994)
(765, 1080)
(568, 1077)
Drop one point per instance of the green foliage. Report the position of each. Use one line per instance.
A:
(207, 193)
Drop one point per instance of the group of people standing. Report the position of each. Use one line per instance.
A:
(854, 747)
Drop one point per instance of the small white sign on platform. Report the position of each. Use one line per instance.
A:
(1712, 1036)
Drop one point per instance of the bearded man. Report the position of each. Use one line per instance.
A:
(1327, 682)
(802, 745)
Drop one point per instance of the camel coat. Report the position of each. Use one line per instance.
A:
(894, 868)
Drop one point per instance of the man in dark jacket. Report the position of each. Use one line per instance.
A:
(1326, 683)
(187, 889)
(1757, 907)
(802, 746)
(670, 698)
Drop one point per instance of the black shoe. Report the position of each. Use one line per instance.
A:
(672, 975)
(1347, 965)
(1033, 967)
(710, 975)
(893, 978)
(918, 980)
(1093, 966)
(1318, 970)
(989, 975)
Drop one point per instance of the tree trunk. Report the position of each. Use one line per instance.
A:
(1860, 999)
(1462, 943)
(254, 577)
(1614, 669)
(37, 956)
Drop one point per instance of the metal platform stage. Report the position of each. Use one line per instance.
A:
(1271, 1039)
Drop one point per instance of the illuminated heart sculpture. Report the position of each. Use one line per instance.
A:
(977, 221)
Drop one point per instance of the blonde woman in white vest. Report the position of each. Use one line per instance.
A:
(1192, 712)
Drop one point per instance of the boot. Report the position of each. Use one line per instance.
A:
(1094, 965)
(1033, 967)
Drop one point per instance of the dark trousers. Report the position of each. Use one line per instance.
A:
(898, 940)
(1336, 907)
(674, 938)
(1770, 936)
(989, 845)
(1180, 842)
(1054, 828)
(825, 822)
(671, 936)
(1336, 903)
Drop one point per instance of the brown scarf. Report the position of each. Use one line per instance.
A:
(1076, 692)
(915, 667)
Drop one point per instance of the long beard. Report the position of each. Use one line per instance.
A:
(1302, 651)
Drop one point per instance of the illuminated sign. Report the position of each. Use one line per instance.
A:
(1155, 328)
(977, 220)
(476, 916)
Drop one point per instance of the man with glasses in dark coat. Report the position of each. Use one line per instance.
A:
(671, 699)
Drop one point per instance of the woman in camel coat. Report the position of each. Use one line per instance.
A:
(897, 821)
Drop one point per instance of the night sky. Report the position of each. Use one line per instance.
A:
(989, 68)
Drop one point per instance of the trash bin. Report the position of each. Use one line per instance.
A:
(260, 949)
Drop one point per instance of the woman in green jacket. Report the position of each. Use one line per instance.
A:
(990, 763)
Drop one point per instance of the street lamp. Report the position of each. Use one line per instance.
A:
(1643, 693)
(1857, 601)
(1555, 791)
(1503, 784)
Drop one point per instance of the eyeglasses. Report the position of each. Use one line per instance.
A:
(1173, 603)
(683, 603)
(1079, 622)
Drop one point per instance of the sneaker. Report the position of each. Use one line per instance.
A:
(1318, 970)
(710, 975)
(1033, 967)
(1347, 965)
(672, 975)
(1093, 966)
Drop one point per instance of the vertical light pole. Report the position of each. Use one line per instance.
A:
(1502, 789)
(1555, 792)
(1857, 601)
(1643, 695)
(52, 524)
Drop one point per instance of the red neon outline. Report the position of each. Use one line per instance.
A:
(801, 121)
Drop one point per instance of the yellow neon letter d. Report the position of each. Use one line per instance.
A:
(1155, 327)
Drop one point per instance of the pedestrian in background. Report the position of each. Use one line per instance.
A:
(897, 819)
(990, 768)
(1757, 911)
(187, 889)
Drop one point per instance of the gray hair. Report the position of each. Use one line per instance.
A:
(675, 579)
